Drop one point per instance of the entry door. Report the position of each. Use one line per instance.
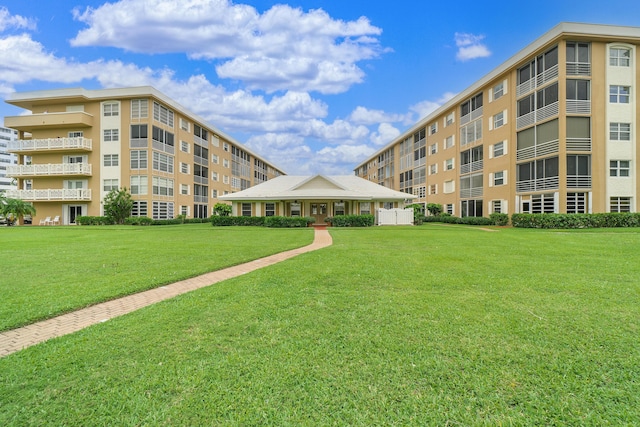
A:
(319, 212)
(74, 211)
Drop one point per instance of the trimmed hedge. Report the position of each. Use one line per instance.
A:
(352, 220)
(568, 221)
(93, 220)
(499, 218)
(138, 220)
(261, 221)
(467, 220)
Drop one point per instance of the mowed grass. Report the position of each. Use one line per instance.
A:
(46, 271)
(431, 325)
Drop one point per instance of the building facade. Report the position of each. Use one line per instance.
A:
(551, 130)
(77, 145)
(7, 159)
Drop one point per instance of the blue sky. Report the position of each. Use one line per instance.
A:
(314, 86)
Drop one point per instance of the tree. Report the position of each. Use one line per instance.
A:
(117, 205)
(434, 208)
(15, 209)
(222, 209)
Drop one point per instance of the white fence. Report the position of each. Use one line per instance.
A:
(394, 216)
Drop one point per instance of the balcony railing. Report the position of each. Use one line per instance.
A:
(62, 144)
(551, 183)
(50, 170)
(538, 115)
(539, 150)
(200, 199)
(472, 167)
(537, 81)
(468, 193)
(578, 69)
(51, 194)
(578, 181)
(471, 116)
(578, 144)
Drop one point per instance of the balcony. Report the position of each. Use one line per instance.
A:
(63, 169)
(51, 195)
(540, 150)
(61, 120)
(551, 183)
(50, 144)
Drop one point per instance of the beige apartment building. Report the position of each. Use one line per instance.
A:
(553, 129)
(76, 145)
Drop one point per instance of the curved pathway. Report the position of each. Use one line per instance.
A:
(18, 339)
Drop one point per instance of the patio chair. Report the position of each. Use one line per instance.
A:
(45, 221)
(56, 220)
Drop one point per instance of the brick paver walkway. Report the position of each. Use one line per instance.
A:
(18, 339)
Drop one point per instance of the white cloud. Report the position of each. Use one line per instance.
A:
(7, 21)
(470, 46)
(385, 134)
(364, 116)
(424, 108)
(284, 48)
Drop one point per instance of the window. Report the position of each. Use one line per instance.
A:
(184, 125)
(75, 134)
(162, 162)
(448, 142)
(184, 167)
(576, 202)
(225, 146)
(471, 105)
(433, 189)
(110, 160)
(139, 185)
(433, 169)
(215, 159)
(449, 187)
(620, 131)
(110, 109)
(433, 128)
(620, 204)
(449, 208)
(619, 94)
(184, 189)
(111, 135)
(578, 90)
(538, 66)
(578, 170)
(270, 209)
(498, 149)
(246, 209)
(139, 208)
(162, 186)
(162, 210)
(138, 159)
(471, 208)
(338, 208)
(498, 120)
(497, 206)
(110, 184)
(619, 168)
(498, 90)
(162, 114)
(433, 149)
(139, 108)
(365, 208)
(214, 176)
(214, 194)
(471, 132)
(184, 210)
(184, 146)
(448, 164)
(162, 136)
(225, 163)
(619, 57)
(449, 119)
(498, 178)
(225, 179)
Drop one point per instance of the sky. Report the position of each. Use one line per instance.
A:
(313, 86)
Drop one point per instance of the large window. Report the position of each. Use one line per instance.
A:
(471, 105)
(619, 168)
(162, 186)
(620, 131)
(162, 210)
(139, 108)
(471, 132)
(139, 185)
(110, 160)
(139, 136)
(576, 202)
(578, 171)
(270, 209)
(246, 209)
(139, 208)
(110, 184)
(162, 162)
(162, 136)
(111, 135)
(619, 57)
(620, 204)
(110, 109)
(471, 208)
(538, 66)
(138, 159)
(537, 175)
(162, 114)
(578, 90)
(619, 94)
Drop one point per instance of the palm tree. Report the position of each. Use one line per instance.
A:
(15, 209)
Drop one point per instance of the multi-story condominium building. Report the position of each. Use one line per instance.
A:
(6, 159)
(77, 145)
(553, 129)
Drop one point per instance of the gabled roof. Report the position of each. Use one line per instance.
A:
(318, 187)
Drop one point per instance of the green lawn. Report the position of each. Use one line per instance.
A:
(46, 271)
(430, 325)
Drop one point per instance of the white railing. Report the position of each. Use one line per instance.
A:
(51, 194)
(539, 150)
(471, 116)
(578, 106)
(50, 169)
(51, 144)
(538, 115)
(578, 69)
(526, 120)
(578, 181)
(472, 167)
(578, 144)
(200, 199)
(467, 193)
(537, 81)
(537, 184)
(525, 87)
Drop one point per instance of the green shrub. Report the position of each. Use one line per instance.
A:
(138, 220)
(467, 220)
(219, 221)
(261, 221)
(93, 220)
(287, 222)
(569, 221)
(352, 220)
(499, 218)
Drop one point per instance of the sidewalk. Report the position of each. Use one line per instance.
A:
(18, 339)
